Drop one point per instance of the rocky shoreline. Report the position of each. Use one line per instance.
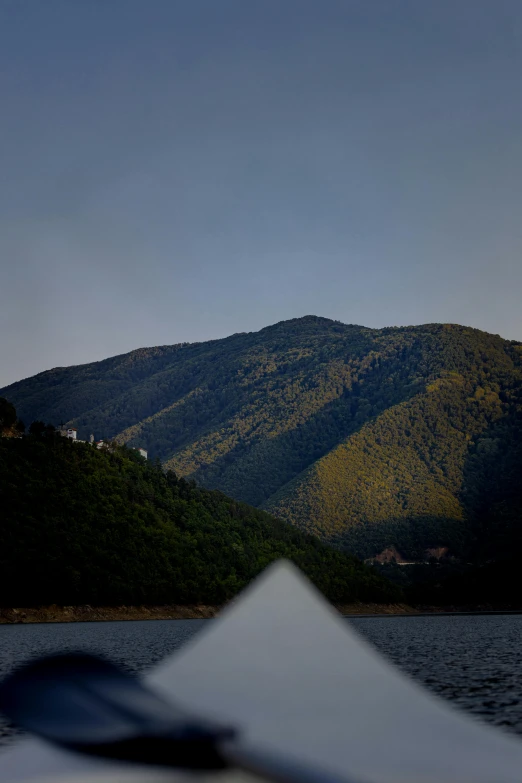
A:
(87, 613)
(91, 614)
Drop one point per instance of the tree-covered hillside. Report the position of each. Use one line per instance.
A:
(442, 469)
(80, 525)
(369, 438)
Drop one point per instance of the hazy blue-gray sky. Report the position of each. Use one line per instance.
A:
(183, 169)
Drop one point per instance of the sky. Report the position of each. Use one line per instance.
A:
(179, 171)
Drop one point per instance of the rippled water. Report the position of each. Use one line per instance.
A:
(133, 645)
(474, 661)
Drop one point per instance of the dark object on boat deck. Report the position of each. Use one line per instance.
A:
(87, 704)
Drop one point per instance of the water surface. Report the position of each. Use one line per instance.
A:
(473, 661)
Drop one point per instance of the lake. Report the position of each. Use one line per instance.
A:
(474, 661)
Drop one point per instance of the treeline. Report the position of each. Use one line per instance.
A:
(10, 425)
(84, 526)
(458, 586)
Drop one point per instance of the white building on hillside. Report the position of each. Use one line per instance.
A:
(72, 433)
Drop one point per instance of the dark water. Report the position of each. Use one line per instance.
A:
(133, 645)
(474, 661)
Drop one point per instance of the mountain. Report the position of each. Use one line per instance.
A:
(371, 438)
(82, 525)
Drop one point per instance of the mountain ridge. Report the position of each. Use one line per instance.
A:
(264, 416)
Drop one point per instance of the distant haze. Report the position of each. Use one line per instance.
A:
(179, 171)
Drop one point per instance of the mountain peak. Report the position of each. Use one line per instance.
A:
(311, 322)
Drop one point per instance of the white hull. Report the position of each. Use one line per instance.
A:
(297, 680)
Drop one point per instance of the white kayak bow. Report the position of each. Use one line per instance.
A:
(301, 684)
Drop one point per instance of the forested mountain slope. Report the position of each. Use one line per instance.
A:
(81, 525)
(443, 469)
(368, 437)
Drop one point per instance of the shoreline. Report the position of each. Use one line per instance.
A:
(88, 613)
(92, 614)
